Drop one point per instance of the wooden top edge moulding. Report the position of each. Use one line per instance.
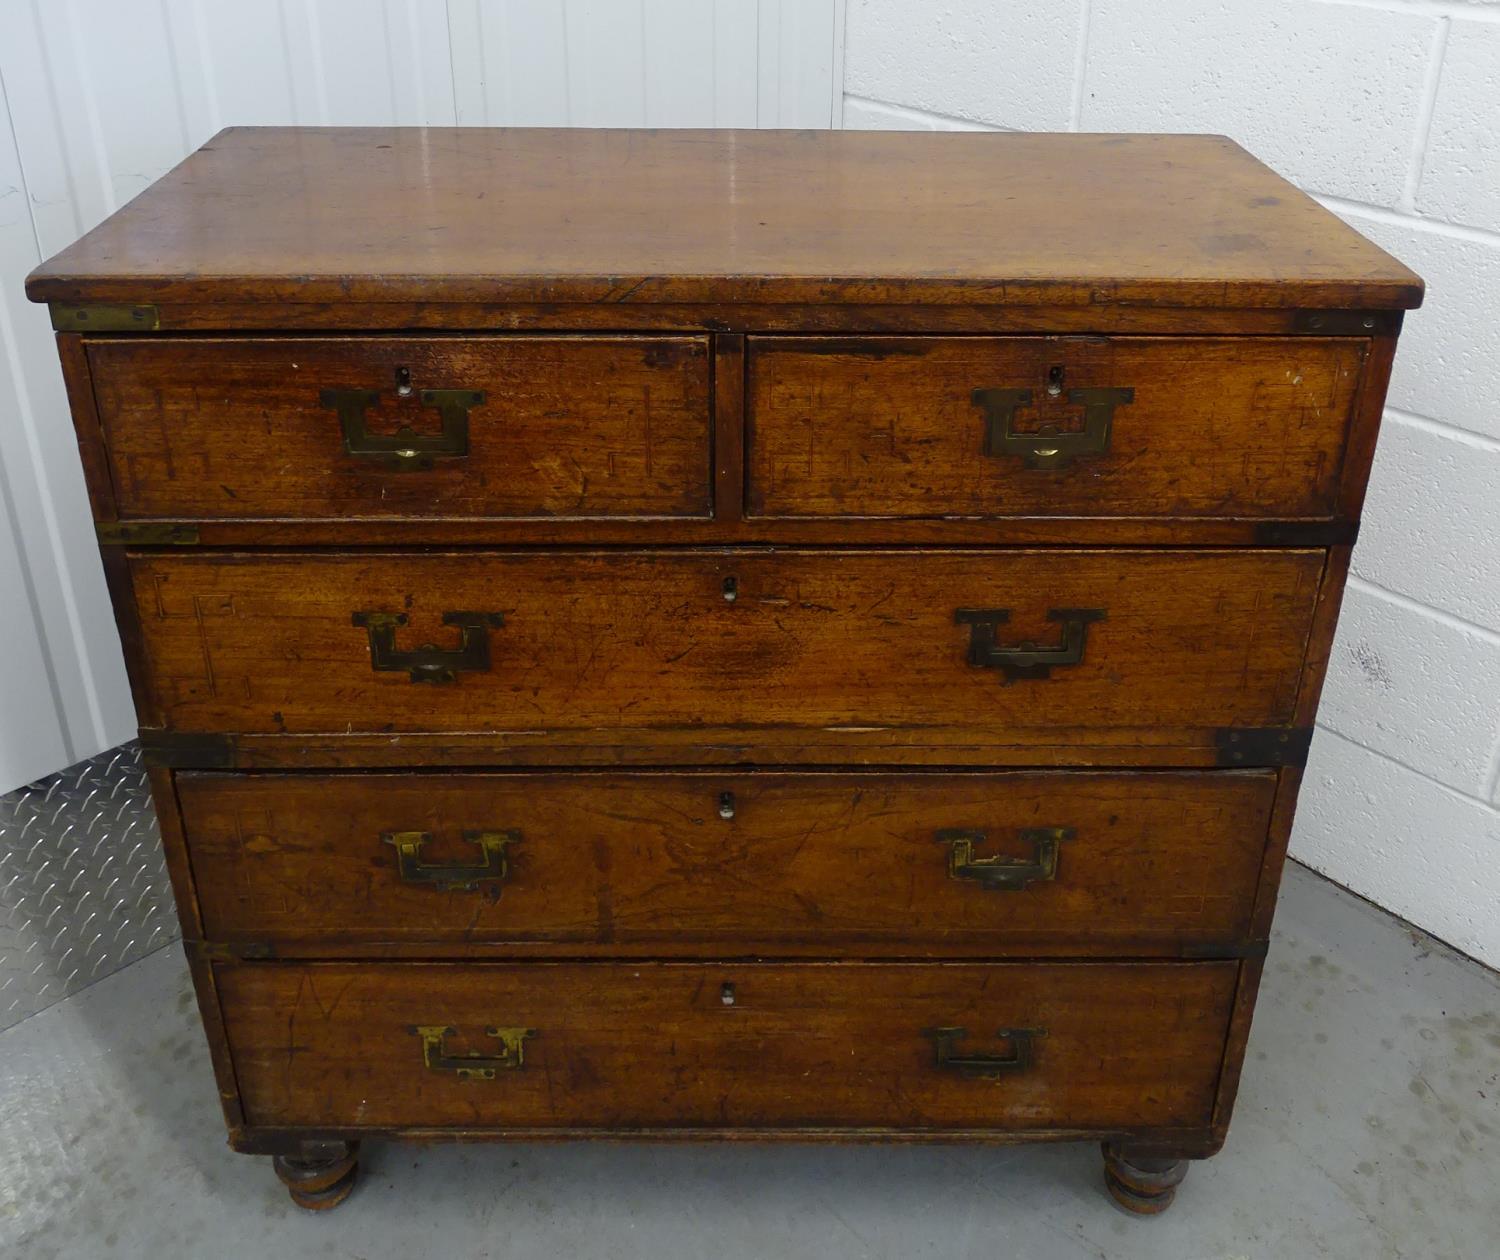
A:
(480, 215)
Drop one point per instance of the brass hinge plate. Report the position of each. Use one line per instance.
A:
(144, 534)
(179, 750)
(102, 319)
(1346, 323)
(1262, 745)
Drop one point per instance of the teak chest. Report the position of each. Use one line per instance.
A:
(740, 634)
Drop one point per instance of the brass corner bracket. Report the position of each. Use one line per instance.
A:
(144, 534)
(186, 750)
(1262, 745)
(1346, 323)
(104, 319)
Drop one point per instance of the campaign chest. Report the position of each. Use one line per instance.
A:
(739, 634)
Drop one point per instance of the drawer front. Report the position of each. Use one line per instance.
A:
(899, 427)
(382, 427)
(708, 1046)
(916, 864)
(813, 640)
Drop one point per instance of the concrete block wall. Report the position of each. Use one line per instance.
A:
(1387, 111)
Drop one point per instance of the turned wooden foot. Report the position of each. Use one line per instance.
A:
(1140, 1183)
(321, 1175)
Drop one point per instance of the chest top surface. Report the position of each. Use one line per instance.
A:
(316, 215)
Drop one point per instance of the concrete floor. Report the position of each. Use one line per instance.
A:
(1368, 1127)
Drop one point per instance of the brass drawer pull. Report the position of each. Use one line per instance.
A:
(452, 876)
(1019, 1059)
(1048, 447)
(430, 663)
(474, 1067)
(406, 449)
(1000, 873)
(1026, 660)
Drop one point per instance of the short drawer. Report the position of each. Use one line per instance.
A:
(985, 427)
(251, 428)
(997, 646)
(657, 863)
(703, 1046)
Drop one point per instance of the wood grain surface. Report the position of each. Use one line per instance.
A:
(347, 215)
(233, 428)
(722, 502)
(655, 1044)
(812, 641)
(886, 427)
(805, 863)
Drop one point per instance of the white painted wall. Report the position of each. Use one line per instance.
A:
(1388, 111)
(100, 97)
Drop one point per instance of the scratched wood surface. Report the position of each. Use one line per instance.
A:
(315, 215)
(647, 863)
(655, 1044)
(569, 426)
(886, 426)
(812, 640)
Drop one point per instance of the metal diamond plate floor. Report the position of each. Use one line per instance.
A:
(83, 884)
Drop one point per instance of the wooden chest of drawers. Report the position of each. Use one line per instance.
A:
(725, 634)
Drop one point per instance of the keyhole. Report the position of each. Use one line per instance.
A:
(726, 994)
(731, 589)
(1055, 380)
(726, 804)
(403, 382)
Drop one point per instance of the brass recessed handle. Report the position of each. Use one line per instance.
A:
(1048, 447)
(405, 450)
(430, 663)
(1020, 1056)
(1000, 873)
(452, 876)
(473, 1067)
(1026, 660)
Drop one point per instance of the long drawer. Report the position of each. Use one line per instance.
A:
(671, 864)
(989, 427)
(247, 428)
(999, 645)
(719, 1046)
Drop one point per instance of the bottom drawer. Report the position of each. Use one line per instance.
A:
(723, 1046)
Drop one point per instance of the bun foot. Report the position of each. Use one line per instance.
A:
(1139, 1183)
(321, 1175)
